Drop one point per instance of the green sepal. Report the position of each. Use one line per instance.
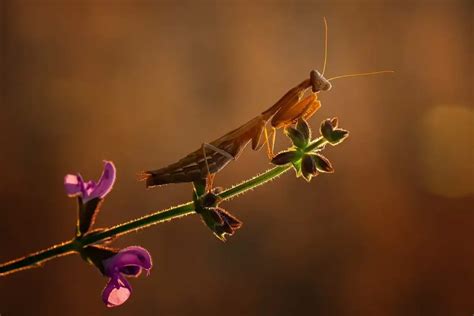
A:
(200, 187)
(297, 137)
(303, 127)
(331, 133)
(97, 254)
(322, 163)
(285, 157)
(308, 167)
(297, 166)
(87, 213)
(338, 136)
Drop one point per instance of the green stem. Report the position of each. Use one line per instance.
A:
(37, 258)
(74, 246)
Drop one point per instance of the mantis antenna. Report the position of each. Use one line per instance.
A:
(325, 44)
(343, 76)
(362, 74)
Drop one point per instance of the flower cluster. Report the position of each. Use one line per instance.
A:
(113, 263)
(220, 221)
(304, 154)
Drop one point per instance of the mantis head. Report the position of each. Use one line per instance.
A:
(318, 82)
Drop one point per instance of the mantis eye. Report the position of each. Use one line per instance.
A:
(327, 86)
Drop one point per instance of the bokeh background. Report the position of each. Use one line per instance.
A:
(143, 83)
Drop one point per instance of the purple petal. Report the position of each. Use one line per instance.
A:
(130, 261)
(73, 184)
(105, 184)
(117, 291)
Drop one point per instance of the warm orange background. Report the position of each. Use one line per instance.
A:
(143, 83)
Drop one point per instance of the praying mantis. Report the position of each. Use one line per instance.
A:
(202, 164)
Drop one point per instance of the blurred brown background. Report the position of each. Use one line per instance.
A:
(143, 83)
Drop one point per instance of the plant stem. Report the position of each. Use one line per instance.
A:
(36, 259)
(175, 212)
(180, 210)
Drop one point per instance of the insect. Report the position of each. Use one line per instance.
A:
(205, 162)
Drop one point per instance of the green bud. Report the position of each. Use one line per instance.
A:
(220, 222)
(331, 133)
(304, 129)
(297, 138)
(326, 129)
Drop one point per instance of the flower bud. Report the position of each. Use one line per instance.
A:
(220, 222)
(303, 127)
(326, 129)
(331, 133)
(297, 138)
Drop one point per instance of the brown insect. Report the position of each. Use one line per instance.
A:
(212, 157)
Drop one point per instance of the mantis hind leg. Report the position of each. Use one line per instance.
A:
(210, 176)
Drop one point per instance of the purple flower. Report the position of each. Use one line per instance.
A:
(76, 186)
(129, 261)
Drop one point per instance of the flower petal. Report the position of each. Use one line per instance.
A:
(73, 185)
(117, 291)
(106, 182)
(126, 259)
